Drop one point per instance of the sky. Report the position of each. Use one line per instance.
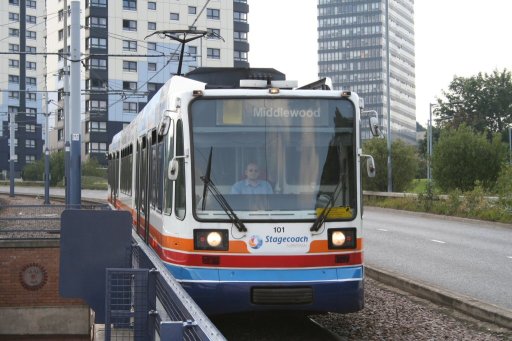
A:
(452, 38)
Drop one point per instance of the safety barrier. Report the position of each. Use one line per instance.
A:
(146, 301)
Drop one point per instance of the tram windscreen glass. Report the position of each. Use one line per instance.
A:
(275, 159)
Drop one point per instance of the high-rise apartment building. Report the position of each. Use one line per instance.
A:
(121, 67)
(22, 66)
(353, 53)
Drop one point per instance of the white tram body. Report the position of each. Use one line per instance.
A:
(297, 246)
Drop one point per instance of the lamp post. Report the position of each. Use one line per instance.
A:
(510, 145)
(429, 143)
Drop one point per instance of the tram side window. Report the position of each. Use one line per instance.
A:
(160, 174)
(168, 155)
(180, 197)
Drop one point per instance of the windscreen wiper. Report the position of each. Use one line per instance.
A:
(320, 219)
(209, 185)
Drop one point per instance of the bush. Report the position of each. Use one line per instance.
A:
(404, 162)
(462, 157)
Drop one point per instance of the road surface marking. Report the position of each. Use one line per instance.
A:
(383, 230)
(437, 241)
(509, 257)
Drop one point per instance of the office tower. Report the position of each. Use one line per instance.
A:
(353, 53)
(21, 82)
(121, 67)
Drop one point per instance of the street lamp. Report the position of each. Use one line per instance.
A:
(510, 145)
(429, 143)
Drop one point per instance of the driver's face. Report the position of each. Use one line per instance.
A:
(252, 172)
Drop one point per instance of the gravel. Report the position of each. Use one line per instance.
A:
(390, 314)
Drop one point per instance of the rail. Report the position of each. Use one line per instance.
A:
(35, 222)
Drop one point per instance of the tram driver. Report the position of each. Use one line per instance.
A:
(252, 184)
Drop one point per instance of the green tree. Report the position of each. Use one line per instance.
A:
(33, 171)
(56, 168)
(463, 157)
(404, 162)
(92, 167)
(483, 102)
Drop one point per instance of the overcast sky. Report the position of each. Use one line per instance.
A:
(453, 37)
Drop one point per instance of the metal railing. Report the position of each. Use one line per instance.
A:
(147, 303)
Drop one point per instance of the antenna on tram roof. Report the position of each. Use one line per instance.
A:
(182, 36)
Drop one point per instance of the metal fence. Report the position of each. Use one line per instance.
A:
(147, 303)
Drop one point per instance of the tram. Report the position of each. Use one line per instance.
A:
(249, 189)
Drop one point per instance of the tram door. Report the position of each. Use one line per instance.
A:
(142, 198)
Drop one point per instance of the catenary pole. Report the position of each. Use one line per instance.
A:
(75, 152)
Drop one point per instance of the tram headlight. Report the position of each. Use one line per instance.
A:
(217, 240)
(342, 238)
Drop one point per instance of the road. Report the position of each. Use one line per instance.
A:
(467, 257)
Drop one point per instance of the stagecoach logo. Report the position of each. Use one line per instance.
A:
(283, 112)
(33, 276)
(255, 242)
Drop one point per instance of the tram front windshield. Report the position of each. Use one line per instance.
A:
(274, 159)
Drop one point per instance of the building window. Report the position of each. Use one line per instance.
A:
(95, 105)
(212, 13)
(240, 56)
(192, 52)
(14, 95)
(99, 127)
(31, 4)
(31, 96)
(61, 35)
(31, 35)
(14, 2)
(151, 66)
(175, 16)
(130, 5)
(14, 48)
(14, 79)
(31, 49)
(130, 107)
(31, 19)
(129, 85)
(31, 81)
(129, 25)
(97, 22)
(241, 36)
(98, 147)
(30, 112)
(98, 43)
(60, 134)
(213, 33)
(213, 53)
(151, 26)
(14, 32)
(96, 63)
(30, 143)
(95, 84)
(30, 128)
(30, 158)
(14, 16)
(192, 10)
(129, 66)
(240, 16)
(152, 46)
(14, 63)
(129, 45)
(152, 87)
(31, 65)
(98, 3)
(152, 5)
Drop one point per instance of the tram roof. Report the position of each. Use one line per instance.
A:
(229, 78)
